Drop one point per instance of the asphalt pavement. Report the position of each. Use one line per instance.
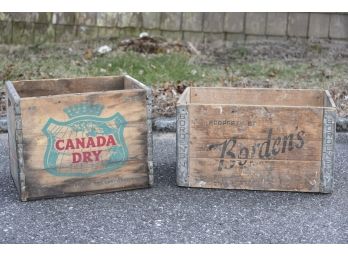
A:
(170, 214)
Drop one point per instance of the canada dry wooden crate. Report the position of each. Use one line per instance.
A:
(73, 136)
(257, 139)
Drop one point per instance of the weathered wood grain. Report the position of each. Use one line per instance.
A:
(74, 171)
(47, 87)
(132, 175)
(253, 122)
(15, 136)
(130, 104)
(258, 96)
(256, 175)
(256, 149)
(258, 139)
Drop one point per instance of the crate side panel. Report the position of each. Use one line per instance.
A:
(91, 137)
(264, 140)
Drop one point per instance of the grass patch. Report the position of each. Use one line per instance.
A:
(56, 61)
(150, 69)
(154, 69)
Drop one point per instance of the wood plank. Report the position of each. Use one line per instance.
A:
(135, 132)
(278, 148)
(257, 96)
(252, 122)
(37, 111)
(45, 87)
(35, 159)
(328, 101)
(133, 175)
(12, 100)
(256, 175)
(184, 99)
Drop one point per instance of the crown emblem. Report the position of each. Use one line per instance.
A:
(84, 109)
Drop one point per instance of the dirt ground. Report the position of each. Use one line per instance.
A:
(170, 67)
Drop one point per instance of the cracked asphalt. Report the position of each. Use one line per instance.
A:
(170, 214)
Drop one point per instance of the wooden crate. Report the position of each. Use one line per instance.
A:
(77, 136)
(257, 139)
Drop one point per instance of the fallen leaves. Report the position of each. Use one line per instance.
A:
(340, 97)
(152, 45)
(166, 96)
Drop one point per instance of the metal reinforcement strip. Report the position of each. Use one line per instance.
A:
(182, 139)
(327, 161)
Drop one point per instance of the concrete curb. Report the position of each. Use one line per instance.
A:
(3, 124)
(168, 124)
(164, 124)
(342, 124)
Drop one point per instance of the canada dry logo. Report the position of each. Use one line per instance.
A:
(86, 144)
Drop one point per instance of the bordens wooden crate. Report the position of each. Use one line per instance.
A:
(76, 136)
(257, 139)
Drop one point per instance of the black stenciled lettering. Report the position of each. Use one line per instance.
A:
(300, 137)
(285, 142)
(267, 144)
(276, 142)
(243, 156)
(229, 149)
(224, 151)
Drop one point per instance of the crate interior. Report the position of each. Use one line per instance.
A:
(260, 96)
(36, 88)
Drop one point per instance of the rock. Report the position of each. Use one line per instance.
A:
(144, 34)
(104, 49)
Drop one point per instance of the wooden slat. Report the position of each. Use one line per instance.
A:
(278, 149)
(36, 111)
(185, 97)
(244, 122)
(34, 88)
(136, 132)
(35, 159)
(256, 175)
(14, 123)
(257, 96)
(41, 184)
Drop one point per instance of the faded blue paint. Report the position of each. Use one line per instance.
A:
(84, 120)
